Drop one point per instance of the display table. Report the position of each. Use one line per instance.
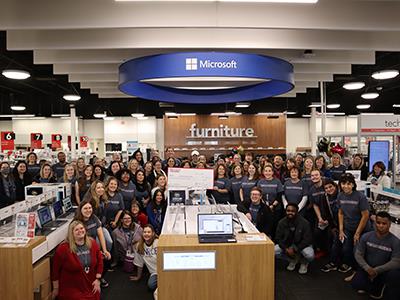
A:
(243, 270)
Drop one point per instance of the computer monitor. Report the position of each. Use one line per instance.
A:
(44, 215)
(214, 224)
(67, 204)
(58, 209)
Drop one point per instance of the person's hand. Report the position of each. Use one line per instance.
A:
(54, 293)
(113, 224)
(215, 188)
(107, 255)
(96, 286)
(248, 215)
(134, 278)
(373, 218)
(356, 238)
(290, 252)
(272, 207)
(342, 236)
(372, 273)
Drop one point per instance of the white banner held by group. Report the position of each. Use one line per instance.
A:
(191, 178)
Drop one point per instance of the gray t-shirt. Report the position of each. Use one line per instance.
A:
(294, 192)
(221, 183)
(352, 205)
(246, 186)
(127, 192)
(336, 172)
(115, 204)
(83, 253)
(254, 211)
(378, 252)
(235, 184)
(92, 225)
(270, 189)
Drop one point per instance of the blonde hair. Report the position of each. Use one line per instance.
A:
(70, 236)
(140, 244)
(65, 177)
(94, 199)
(41, 172)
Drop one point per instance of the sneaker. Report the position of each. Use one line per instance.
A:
(292, 265)
(303, 268)
(329, 267)
(344, 268)
(378, 294)
(350, 278)
(103, 283)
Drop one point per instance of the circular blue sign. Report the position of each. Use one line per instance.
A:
(144, 77)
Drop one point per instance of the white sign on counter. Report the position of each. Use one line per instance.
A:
(196, 260)
(191, 178)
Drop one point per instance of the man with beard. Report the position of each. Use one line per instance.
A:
(294, 239)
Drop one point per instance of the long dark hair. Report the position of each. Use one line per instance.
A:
(27, 178)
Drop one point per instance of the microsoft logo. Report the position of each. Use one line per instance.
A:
(191, 63)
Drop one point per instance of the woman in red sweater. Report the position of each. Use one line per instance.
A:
(77, 266)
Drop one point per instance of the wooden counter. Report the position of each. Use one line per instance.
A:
(244, 270)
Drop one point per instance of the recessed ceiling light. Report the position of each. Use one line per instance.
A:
(386, 74)
(396, 105)
(288, 112)
(306, 116)
(18, 107)
(137, 115)
(72, 97)
(333, 106)
(100, 115)
(370, 95)
(109, 118)
(242, 104)
(363, 106)
(315, 104)
(354, 85)
(16, 74)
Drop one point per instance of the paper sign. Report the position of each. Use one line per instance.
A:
(25, 225)
(174, 261)
(56, 141)
(36, 140)
(191, 178)
(7, 140)
(83, 141)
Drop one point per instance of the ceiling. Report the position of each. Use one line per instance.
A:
(82, 43)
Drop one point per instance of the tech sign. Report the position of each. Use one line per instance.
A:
(380, 123)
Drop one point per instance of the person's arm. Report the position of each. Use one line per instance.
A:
(341, 227)
(277, 200)
(303, 202)
(56, 270)
(284, 201)
(138, 262)
(361, 225)
(77, 193)
(359, 255)
(318, 213)
(102, 240)
(138, 274)
(151, 216)
(241, 195)
(116, 219)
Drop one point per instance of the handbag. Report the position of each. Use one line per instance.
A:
(128, 265)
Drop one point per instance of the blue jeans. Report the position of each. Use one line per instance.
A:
(306, 255)
(107, 238)
(348, 249)
(152, 282)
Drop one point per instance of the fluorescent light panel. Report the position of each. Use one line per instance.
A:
(18, 107)
(16, 74)
(242, 104)
(363, 106)
(333, 106)
(386, 74)
(72, 97)
(370, 95)
(354, 85)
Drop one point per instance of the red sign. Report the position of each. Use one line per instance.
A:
(56, 141)
(83, 141)
(7, 140)
(36, 140)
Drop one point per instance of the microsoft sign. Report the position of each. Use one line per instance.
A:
(193, 64)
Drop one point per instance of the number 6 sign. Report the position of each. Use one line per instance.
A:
(7, 140)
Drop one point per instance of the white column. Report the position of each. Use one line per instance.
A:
(323, 108)
(359, 134)
(73, 131)
(313, 131)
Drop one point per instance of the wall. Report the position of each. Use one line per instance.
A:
(338, 125)
(297, 134)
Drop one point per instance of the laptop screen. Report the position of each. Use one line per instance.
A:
(67, 204)
(57, 207)
(215, 224)
(44, 215)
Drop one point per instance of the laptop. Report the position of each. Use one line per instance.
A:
(46, 221)
(215, 228)
(68, 208)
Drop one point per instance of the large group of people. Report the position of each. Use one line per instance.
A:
(310, 208)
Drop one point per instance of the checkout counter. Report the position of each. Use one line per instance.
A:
(24, 265)
(188, 269)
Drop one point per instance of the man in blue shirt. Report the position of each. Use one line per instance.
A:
(378, 255)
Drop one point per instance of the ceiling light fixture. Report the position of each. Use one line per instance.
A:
(396, 105)
(354, 85)
(137, 115)
(13, 116)
(315, 104)
(369, 96)
(242, 104)
(306, 116)
(187, 114)
(386, 74)
(109, 118)
(223, 117)
(16, 74)
(333, 106)
(143, 118)
(72, 97)
(100, 115)
(363, 106)
(18, 107)
(60, 115)
(287, 112)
